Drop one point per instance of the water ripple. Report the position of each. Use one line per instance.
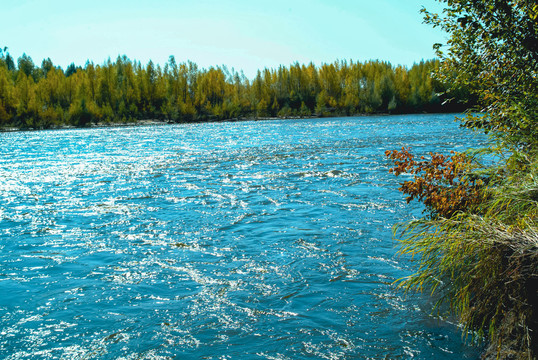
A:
(239, 240)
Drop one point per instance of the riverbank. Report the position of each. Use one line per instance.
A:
(478, 246)
(150, 122)
(90, 126)
(156, 122)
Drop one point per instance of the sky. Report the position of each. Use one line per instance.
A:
(246, 35)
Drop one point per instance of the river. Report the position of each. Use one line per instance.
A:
(238, 240)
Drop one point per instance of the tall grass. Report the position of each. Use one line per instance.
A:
(483, 261)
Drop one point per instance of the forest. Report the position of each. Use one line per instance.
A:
(33, 97)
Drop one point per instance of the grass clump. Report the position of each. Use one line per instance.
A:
(478, 246)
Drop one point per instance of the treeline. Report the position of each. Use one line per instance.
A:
(125, 90)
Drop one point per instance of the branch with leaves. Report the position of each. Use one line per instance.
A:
(443, 183)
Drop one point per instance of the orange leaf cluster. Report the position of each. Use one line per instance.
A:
(441, 183)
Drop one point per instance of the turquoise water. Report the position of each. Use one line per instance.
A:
(241, 240)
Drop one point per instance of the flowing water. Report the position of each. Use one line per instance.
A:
(240, 240)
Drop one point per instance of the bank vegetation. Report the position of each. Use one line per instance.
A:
(124, 91)
(477, 245)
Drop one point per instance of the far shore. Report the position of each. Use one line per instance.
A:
(155, 122)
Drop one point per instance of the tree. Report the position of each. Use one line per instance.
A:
(124, 90)
(477, 245)
(5, 58)
(10, 63)
(493, 50)
(7, 104)
(46, 66)
(71, 69)
(26, 65)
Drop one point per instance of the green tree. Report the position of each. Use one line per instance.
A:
(79, 114)
(493, 50)
(477, 246)
(46, 66)
(125, 90)
(26, 65)
(6, 59)
(7, 101)
(71, 69)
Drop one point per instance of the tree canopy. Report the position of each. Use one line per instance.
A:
(477, 246)
(493, 51)
(124, 90)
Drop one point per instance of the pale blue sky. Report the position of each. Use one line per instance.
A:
(247, 35)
